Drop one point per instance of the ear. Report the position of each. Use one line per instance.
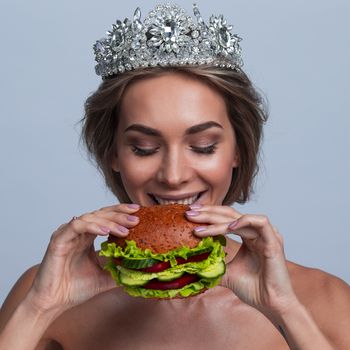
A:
(115, 163)
(236, 160)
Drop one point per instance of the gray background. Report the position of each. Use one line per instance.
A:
(297, 52)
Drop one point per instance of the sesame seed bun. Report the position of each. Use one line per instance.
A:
(161, 228)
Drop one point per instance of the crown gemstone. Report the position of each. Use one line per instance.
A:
(224, 37)
(195, 34)
(100, 49)
(170, 31)
(117, 39)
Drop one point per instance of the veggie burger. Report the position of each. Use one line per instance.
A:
(162, 258)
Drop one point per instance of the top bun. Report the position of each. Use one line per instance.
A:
(161, 228)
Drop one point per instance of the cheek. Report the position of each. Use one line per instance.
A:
(220, 164)
(217, 171)
(136, 172)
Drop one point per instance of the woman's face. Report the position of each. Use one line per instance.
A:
(175, 143)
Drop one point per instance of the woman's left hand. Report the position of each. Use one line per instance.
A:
(258, 273)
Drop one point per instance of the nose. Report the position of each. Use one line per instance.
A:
(175, 169)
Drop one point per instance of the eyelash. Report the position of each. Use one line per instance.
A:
(143, 152)
(205, 150)
(147, 152)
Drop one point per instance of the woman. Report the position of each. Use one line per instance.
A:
(175, 134)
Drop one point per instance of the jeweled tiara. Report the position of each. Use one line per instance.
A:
(167, 37)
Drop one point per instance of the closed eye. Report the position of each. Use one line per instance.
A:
(210, 149)
(143, 151)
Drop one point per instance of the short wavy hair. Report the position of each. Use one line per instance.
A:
(246, 110)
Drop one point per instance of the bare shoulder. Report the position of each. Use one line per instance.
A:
(17, 294)
(315, 283)
(327, 298)
(14, 298)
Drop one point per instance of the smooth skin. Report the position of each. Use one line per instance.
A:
(264, 301)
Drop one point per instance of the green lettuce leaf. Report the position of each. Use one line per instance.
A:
(190, 267)
(186, 291)
(131, 251)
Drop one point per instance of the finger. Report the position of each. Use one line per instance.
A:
(219, 209)
(208, 217)
(211, 230)
(113, 228)
(75, 228)
(121, 208)
(112, 219)
(253, 226)
(258, 235)
(279, 237)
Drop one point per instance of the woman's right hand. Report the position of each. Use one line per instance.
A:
(70, 272)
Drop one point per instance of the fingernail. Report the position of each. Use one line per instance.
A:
(233, 224)
(105, 229)
(133, 206)
(192, 213)
(200, 228)
(132, 218)
(123, 229)
(196, 206)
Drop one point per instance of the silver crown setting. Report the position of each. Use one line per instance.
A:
(167, 37)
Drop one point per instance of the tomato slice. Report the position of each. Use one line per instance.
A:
(193, 258)
(174, 284)
(158, 267)
(118, 261)
(161, 266)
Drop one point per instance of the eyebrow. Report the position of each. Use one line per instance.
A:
(190, 131)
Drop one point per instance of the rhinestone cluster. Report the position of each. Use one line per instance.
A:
(167, 37)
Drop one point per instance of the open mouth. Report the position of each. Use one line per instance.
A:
(187, 200)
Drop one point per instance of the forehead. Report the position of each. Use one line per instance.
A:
(172, 100)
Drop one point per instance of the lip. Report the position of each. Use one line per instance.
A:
(177, 197)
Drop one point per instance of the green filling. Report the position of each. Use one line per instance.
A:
(190, 267)
(186, 291)
(131, 251)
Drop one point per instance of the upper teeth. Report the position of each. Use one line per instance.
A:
(188, 200)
